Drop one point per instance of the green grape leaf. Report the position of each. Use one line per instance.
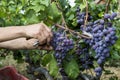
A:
(24, 2)
(72, 69)
(45, 2)
(82, 6)
(2, 22)
(53, 68)
(117, 45)
(35, 2)
(46, 59)
(115, 56)
(53, 13)
(37, 8)
(35, 58)
(71, 17)
(31, 17)
(63, 3)
(11, 2)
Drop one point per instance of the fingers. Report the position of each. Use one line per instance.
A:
(45, 35)
(34, 44)
(50, 35)
(48, 40)
(46, 47)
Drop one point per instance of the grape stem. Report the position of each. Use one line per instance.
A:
(107, 6)
(86, 17)
(72, 31)
(91, 72)
(63, 19)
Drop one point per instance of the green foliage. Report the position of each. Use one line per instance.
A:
(53, 67)
(72, 69)
(46, 59)
(53, 13)
(28, 12)
(24, 12)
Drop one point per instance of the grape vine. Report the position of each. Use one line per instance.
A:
(104, 36)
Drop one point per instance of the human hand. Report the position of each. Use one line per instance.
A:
(22, 43)
(39, 31)
(31, 45)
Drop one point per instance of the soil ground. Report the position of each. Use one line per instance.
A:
(113, 73)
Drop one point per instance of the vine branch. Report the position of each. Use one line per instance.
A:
(63, 19)
(72, 31)
(86, 17)
(107, 6)
(66, 27)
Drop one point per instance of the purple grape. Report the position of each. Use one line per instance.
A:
(104, 46)
(97, 56)
(107, 39)
(106, 16)
(100, 48)
(113, 16)
(98, 74)
(101, 34)
(100, 61)
(112, 33)
(97, 21)
(109, 24)
(80, 21)
(102, 21)
(94, 47)
(98, 69)
(105, 31)
(106, 50)
(112, 42)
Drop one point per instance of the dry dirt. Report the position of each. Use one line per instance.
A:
(114, 74)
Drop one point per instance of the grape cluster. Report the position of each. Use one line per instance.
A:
(81, 17)
(98, 71)
(111, 17)
(62, 45)
(104, 36)
(85, 58)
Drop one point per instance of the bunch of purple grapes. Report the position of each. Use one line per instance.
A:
(104, 36)
(62, 45)
(81, 16)
(85, 58)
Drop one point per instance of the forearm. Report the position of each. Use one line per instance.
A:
(20, 43)
(9, 33)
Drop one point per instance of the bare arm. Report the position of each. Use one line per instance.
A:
(38, 31)
(9, 33)
(22, 43)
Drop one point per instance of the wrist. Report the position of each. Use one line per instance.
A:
(26, 32)
(30, 44)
